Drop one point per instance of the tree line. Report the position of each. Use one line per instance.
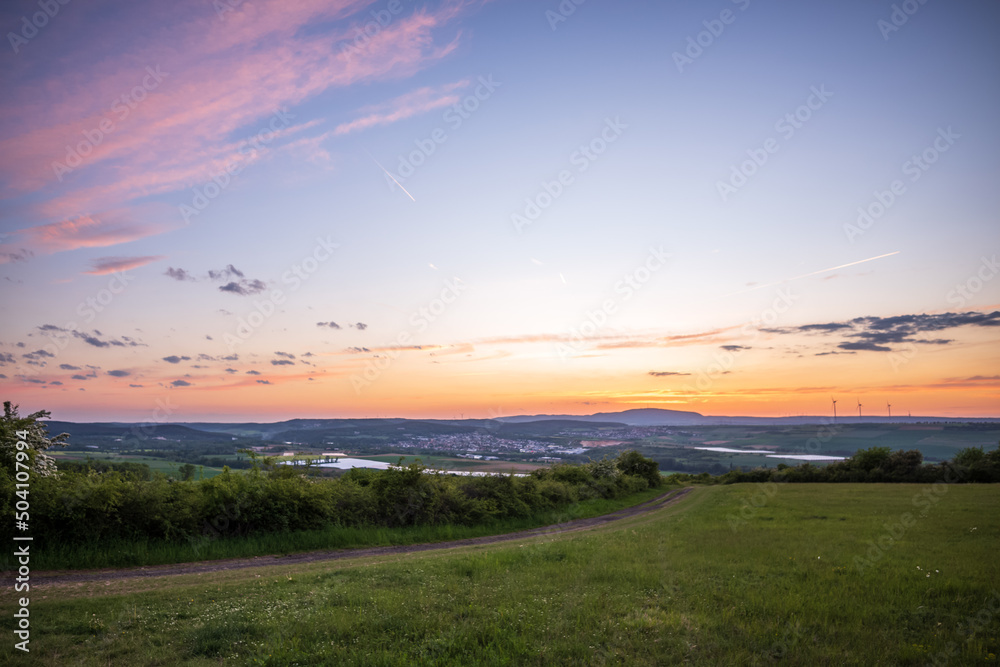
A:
(875, 465)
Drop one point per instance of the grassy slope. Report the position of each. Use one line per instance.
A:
(678, 586)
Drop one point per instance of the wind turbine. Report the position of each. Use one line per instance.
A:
(859, 408)
(834, 408)
(889, 408)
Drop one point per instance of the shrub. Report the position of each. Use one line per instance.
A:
(632, 462)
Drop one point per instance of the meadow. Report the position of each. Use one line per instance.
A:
(459, 464)
(156, 464)
(744, 574)
(936, 442)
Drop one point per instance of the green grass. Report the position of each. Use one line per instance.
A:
(155, 463)
(132, 553)
(685, 585)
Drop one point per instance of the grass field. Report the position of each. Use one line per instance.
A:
(155, 464)
(732, 575)
(937, 442)
(460, 464)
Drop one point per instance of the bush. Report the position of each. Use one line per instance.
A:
(632, 462)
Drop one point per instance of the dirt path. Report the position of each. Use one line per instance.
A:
(78, 576)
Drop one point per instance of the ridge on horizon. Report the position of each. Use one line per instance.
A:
(628, 417)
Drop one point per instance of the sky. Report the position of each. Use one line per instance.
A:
(215, 210)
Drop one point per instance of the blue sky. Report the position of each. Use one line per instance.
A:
(524, 329)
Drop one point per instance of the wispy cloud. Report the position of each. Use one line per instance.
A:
(86, 231)
(218, 81)
(95, 340)
(105, 265)
(405, 106)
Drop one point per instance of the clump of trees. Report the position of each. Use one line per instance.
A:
(138, 470)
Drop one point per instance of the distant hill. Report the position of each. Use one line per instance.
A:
(125, 430)
(661, 417)
(636, 417)
(321, 431)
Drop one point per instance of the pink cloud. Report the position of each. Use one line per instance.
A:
(85, 232)
(105, 265)
(419, 101)
(219, 80)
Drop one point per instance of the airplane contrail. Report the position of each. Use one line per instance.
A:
(815, 273)
(389, 174)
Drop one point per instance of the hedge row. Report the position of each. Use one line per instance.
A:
(78, 507)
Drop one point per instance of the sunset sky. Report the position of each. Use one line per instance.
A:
(252, 211)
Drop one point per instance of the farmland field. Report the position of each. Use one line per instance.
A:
(936, 442)
(802, 574)
(460, 464)
(155, 463)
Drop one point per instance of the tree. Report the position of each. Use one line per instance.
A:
(187, 471)
(632, 462)
(29, 430)
(977, 465)
(902, 466)
(970, 456)
(870, 459)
